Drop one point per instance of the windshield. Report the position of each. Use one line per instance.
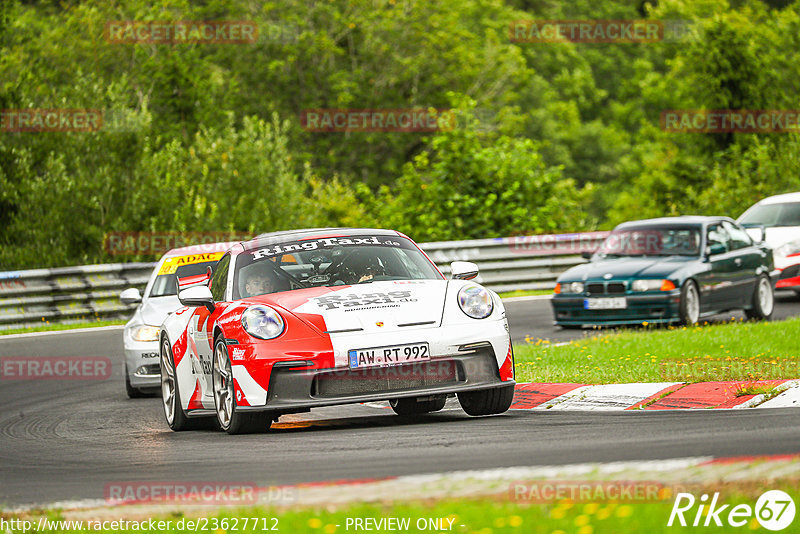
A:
(784, 214)
(327, 262)
(165, 283)
(652, 241)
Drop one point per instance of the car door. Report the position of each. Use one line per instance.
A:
(716, 291)
(746, 258)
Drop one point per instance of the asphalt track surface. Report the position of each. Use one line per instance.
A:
(66, 440)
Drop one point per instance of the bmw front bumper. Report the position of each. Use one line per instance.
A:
(661, 307)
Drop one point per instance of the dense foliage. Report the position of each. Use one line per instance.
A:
(550, 136)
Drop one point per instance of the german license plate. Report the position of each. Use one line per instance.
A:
(610, 303)
(388, 355)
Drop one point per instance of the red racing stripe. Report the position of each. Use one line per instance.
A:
(708, 395)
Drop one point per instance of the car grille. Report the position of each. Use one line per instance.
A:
(394, 378)
(606, 288)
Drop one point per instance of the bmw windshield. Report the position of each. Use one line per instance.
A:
(651, 241)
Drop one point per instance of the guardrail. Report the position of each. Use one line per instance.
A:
(77, 294)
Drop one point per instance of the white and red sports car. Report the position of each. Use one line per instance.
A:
(289, 321)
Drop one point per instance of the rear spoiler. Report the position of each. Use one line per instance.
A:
(195, 280)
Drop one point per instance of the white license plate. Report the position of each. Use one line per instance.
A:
(611, 303)
(388, 355)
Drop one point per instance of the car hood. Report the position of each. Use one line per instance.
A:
(626, 268)
(154, 310)
(377, 306)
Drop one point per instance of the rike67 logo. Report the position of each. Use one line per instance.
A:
(774, 510)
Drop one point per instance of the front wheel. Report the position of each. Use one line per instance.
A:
(763, 300)
(229, 419)
(487, 401)
(415, 406)
(690, 303)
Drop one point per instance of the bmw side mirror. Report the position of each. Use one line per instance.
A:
(463, 270)
(130, 296)
(714, 249)
(199, 295)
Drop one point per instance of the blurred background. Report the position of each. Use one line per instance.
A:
(550, 136)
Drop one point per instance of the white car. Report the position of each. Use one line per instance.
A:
(780, 218)
(290, 321)
(140, 337)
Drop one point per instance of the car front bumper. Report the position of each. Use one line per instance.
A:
(458, 363)
(141, 360)
(661, 307)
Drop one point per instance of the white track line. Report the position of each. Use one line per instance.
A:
(70, 331)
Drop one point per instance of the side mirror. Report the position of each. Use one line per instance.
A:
(715, 248)
(130, 296)
(587, 255)
(463, 270)
(197, 296)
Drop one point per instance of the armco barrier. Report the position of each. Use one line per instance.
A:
(77, 294)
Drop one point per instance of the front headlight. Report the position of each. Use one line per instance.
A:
(144, 332)
(787, 249)
(573, 287)
(262, 322)
(652, 285)
(475, 301)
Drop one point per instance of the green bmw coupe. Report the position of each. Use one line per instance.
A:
(673, 269)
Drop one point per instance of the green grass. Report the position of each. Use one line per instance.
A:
(46, 326)
(730, 351)
(525, 293)
(498, 514)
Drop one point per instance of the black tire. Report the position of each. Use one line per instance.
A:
(487, 401)
(763, 301)
(133, 393)
(228, 418)
(170, 392)
(414, 406)
(689, 307)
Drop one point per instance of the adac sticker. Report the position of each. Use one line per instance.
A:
(171, 265)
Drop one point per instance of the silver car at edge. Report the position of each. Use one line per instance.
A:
(140, 336)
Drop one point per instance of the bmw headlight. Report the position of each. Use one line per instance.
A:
(569, 287)
(475, 301)
(788, 249)
(652, 285)
(144, 332)
(262, 322)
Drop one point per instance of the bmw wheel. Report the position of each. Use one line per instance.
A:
(230, 420)
(763, 300)
(689, 303)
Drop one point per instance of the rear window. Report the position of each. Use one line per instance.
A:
(784, 214)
